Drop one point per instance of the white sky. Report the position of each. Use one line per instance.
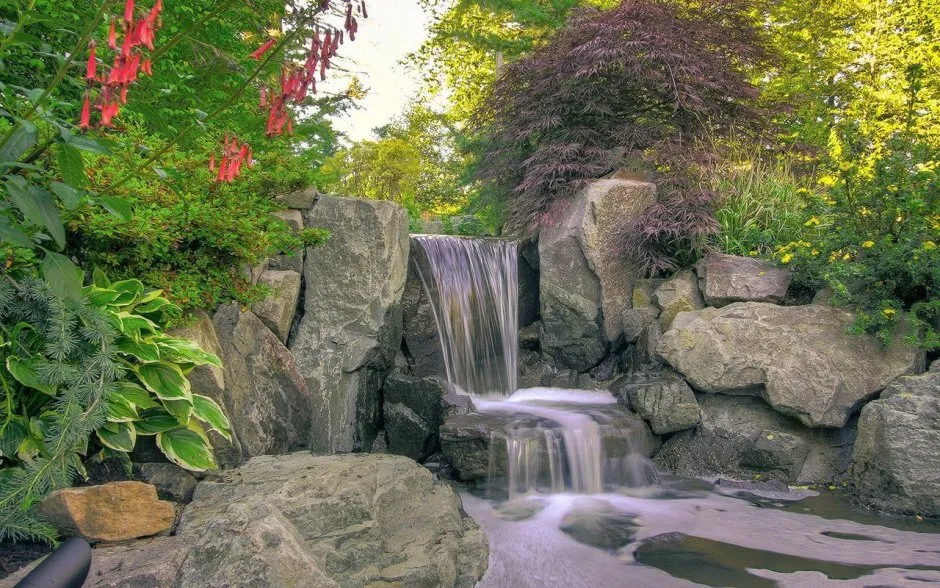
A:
(394, 29)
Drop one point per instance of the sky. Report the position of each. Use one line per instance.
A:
(394, 29)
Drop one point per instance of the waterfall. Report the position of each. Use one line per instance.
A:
(551, 437)
(474, 290)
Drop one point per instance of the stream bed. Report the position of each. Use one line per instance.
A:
(684, 533)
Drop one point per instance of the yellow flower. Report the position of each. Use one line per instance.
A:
(812, 222)
(889, 312)
(847, 257)
(752, 253)
(786, 258)
(814, 252)
(930, 246)
(829, 201)
(868, 244)
(802, 191)
(845, 166)
(892, 188)
(827, 181)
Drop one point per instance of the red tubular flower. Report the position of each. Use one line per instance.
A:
(263, 100)
(262, 50)
(146, 67)
(362, 4)
(129, 12)
(211, 162)
(327, 45)
(92, 67)
(290, 126)
(124, 94)
(85, 119)
(112, 37)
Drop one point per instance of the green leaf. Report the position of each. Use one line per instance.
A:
(186, 449)
(186, 350)
(13, 435)
(69, 196)
(123, 439)
(166, 380)
(24, 370)
(37, 205)
(71, 165)
(101, 297)
(134, 394)
(182, 410)
(14, 236)
(24, 137)
(120, 410)
(152, 306)
(155, 420)
(85, 144)
(209, 412)
(63, 276)
(100, 279)
(119, 207)
(136, 323)
(142, 350)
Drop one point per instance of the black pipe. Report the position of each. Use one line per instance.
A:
(66, 567)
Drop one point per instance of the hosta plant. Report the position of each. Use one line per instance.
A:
(88, 376)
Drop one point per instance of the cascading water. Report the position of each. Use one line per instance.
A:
(552, 438)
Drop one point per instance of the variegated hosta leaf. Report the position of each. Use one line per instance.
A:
(186, 449)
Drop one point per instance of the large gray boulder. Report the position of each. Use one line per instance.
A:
(346, 341)
(358, 520)
(300, 520)
(266, 399)
(662, 399)
(278, 309)
(528, 282)
(724, 279)
(585, 283)
(800, 359)
(740, 436)
(896, 463)
(209, 380)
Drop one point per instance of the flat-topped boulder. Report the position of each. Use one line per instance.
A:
(801, 359)
(724, 279)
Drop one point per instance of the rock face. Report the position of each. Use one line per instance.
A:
(420, 339)
(209, 380)
(724, 279)
(293, 218)
(663, 399)
(741, 436)
(584, 284)
(528, 283)
(346, 341)
(351, 520)
(299, 520)
(266, 399)
(679, 293)
(301, 199)
(277, 310)
(896, 462)
(412, 412)
(171, 481)
(799, 358)
(117, 511)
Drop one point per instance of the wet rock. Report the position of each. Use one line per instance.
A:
(636, 320)
(299, 199)
(171, 481)
(724, 279)
(777, 451)
(350, 520)
(420, 338)
(599, 525)
(529, 337)
(723, 444)
(209, 380)
(752, 485)
(661, 398)
(896, 465)
(346, 342)
(117, 511)
(278, 309)
(679, 293)
(528, 276)
(584, 284)
(801, 359)
(266, 399)
(412, 413)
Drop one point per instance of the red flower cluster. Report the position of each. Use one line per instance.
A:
(297, 80)
(128, 63)
(234, 155)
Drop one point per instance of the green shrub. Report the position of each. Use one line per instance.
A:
(88, 376)
(190, 238)
(872, 236)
